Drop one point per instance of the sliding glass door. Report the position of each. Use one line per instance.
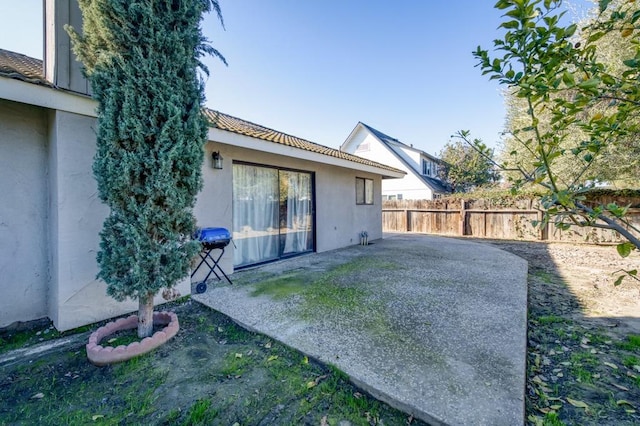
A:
(272, 213)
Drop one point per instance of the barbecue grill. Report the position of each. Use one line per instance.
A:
(211, 239)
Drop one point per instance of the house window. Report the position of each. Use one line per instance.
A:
(364, 191)
(273, 213)
(399, 196)
(429, 168)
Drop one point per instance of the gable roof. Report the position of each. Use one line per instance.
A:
(31, 70)
(395, 143)
(397, 149)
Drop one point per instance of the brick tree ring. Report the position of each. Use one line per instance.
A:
(105, 355)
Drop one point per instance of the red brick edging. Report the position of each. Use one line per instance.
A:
(101, 355)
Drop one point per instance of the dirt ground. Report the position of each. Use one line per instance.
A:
(583, 363)
(584, 334)
(211, 373)
(589, 273)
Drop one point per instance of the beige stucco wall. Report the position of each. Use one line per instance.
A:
(51, 216)
(339, 220)
(23, 213)
(76, 297)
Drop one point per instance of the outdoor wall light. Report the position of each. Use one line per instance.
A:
(216, 160)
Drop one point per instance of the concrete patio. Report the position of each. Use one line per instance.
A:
(433, 326)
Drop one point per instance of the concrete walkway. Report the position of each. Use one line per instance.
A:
(433, 326)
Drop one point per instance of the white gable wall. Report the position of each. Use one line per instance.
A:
(410, 187)
(377, 151)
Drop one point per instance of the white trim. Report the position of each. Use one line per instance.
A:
(49, 40)
(42, 96)
(345, 147)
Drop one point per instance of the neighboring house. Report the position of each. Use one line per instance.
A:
(421, 181)
(280, 195)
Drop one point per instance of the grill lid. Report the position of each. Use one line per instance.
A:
(213, 236)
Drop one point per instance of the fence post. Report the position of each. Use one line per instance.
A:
(484, 224)
(463, 217)
(407, 218)
(543, 233)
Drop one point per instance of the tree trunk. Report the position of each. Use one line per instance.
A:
(145, 316)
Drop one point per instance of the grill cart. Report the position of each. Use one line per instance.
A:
(211, 239)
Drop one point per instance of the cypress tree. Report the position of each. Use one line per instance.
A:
(142, 58)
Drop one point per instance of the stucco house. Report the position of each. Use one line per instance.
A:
(421, 181)
(279, 195)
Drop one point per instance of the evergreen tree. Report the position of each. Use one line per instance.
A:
(142, 59)
(464, 168)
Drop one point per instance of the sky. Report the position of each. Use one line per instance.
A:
(314, 69)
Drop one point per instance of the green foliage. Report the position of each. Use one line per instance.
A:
(201, 413)
(630, 361)
(142, 59)
(632, 343)
(616, 162)
(466, 168)
(565, 88)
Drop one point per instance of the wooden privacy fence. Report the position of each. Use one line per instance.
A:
(481, 219)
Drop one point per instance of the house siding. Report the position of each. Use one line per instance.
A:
(50, 220)
(23, 212)
(76, 297)
(52, 217)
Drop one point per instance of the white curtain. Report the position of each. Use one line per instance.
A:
(272, 213)
(299, 223)
(255, 214)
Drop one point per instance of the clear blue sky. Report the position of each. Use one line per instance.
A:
(315, 68)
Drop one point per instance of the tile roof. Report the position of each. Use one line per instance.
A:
(25, 68)
(22, 67)
(229, 123)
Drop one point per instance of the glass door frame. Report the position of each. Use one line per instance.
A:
(313, 211)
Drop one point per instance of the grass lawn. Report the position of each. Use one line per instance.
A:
(212, 372)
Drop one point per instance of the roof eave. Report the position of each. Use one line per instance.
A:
(47, 97)
(248, 142)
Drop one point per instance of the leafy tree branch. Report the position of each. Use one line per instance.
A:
(576, 104)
